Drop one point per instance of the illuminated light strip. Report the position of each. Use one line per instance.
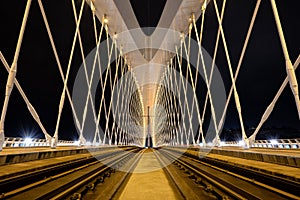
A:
(62, 98)
(236, 96)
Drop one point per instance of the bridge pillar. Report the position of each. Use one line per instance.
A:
(53, 142)
(217, 141)
(251, 140)
(246, 143)
(81, 140)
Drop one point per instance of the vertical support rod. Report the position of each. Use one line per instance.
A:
(289, 67)
(12, 74)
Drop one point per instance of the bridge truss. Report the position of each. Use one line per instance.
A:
(148, 83)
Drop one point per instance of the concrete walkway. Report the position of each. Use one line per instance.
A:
(148, 181)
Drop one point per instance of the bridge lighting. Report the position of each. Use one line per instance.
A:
(28, 141)
(76, 142)
(209, 144)
(273, 141)
(222, 143)
(241, 143)
(93, 7)
(203, 8)
(182, 36)
(88, 143)
(105, 20)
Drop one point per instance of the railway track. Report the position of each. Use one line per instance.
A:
(64, 179)
(189, 177)
(114, 186)
(225, 182)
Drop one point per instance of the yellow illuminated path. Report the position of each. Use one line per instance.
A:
(148, 181)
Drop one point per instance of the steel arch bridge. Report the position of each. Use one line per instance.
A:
(148, 78)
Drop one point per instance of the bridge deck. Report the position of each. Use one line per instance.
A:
(148, 180)
(149, 163)
(22, 150)
(284, 152)
(23, 167)
(275, 151)
(285, 171)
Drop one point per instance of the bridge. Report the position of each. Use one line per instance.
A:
(149, 101)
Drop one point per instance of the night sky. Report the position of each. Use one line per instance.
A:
(261, 74)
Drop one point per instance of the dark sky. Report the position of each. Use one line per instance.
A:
(261, 74)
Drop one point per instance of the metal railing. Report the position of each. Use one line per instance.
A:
(29, 142)
(274, 143)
